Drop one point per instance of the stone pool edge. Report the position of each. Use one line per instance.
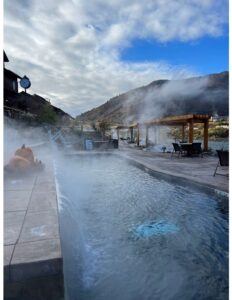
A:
(179, 178)
(34, 268)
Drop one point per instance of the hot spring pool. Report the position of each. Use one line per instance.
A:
(106, 205)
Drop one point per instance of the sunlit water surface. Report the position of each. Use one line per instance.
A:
(103, 202)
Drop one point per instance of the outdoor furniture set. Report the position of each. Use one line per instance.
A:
(190, 149)
(187, 149)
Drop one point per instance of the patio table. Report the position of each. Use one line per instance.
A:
(187, 147)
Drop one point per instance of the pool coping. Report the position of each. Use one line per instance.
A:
(32, 250)
(179, 179)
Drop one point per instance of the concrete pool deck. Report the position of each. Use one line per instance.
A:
(32, 252)
(196, 169)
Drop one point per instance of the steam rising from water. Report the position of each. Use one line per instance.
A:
(104, 198)
(16, 134)
(158, 98)
(164, 97)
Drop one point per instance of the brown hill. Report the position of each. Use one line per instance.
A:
(200, 95)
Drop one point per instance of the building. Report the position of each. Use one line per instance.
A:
(10, 81)
(18, 104)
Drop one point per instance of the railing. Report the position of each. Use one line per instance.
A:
(17, 113)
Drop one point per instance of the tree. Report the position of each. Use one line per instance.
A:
(103, 126)
(94, 126)
(47, 114)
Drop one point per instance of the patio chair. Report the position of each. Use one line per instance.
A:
(196, 149)
(176, 149)
(223, 156)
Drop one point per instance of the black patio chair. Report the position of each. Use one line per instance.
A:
(196, 149)
(176, 149)
(223, 156)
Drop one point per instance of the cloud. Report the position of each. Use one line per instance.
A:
(71, 49)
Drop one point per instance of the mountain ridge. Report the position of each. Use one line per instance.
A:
(203, 95)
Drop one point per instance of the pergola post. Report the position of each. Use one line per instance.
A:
(183, 133)
(138, 137)
(147, 133)
(132, 134)
(155, 133)
(158, 135)
(118, 134)
(206, 136)
(190, 131)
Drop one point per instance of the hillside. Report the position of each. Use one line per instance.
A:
(200, 95)
(34, 104)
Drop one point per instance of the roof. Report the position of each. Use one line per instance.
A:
(5, 57)
(172, 121)
(126, 126)
(179, 120)
(11, 74)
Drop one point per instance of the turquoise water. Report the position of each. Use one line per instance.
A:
(218, 145)
(129, 236)
(158, 227)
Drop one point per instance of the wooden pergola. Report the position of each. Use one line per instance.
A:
(130, 127)
(183, 121)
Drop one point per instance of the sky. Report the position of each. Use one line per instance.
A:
(79, 54)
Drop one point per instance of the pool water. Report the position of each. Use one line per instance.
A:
(129, 236)
(149, 229)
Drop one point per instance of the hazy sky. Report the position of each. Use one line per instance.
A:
(80, 53)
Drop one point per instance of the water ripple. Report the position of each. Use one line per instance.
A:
(104, 203)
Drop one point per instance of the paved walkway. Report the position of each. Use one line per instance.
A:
(196, 169)
(31, 229)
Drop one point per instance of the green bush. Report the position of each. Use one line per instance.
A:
(47, 115)
(219, 132)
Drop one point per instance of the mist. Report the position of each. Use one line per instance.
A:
(202, 95)
(163, 98)
(16, 134)
(171, 95)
